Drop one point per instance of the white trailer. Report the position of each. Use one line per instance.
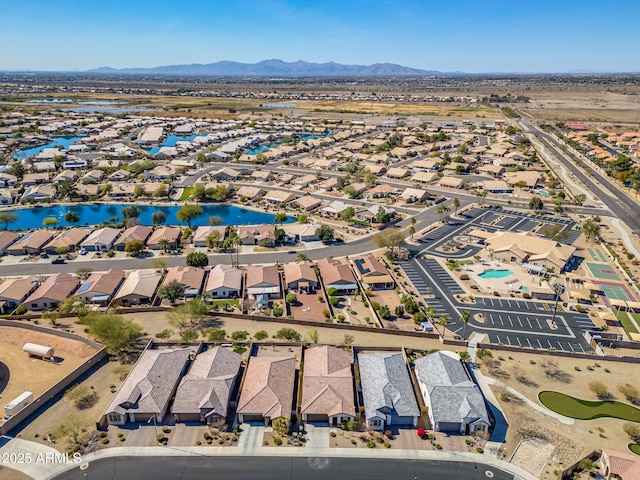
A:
(38, 350)
(18, 403)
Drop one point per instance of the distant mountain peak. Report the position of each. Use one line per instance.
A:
(276, 67)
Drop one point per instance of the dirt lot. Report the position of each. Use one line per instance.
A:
(308, 307)
(587, 435)
(33, 374)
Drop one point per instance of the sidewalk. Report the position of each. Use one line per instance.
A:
(50, 470)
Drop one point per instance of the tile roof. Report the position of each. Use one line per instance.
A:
(327, 382)
(268, 387)
(224, 276)
(56, 287)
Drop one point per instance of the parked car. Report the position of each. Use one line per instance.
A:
(83, 252)
(44, 255)
(58, 260)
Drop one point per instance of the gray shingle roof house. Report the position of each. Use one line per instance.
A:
(148, 388)
(386, 390)
(204, 393)
(455, 402)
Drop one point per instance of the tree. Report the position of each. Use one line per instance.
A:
(464, 356)
(280, 218)
(199, 192)
(213, 239)
(134, 247)
(633, 430)
(130, 212)
(165, 243)
(324, 233)
(384, 312)
(189, 315)
(558, 210)
(216, 335)
(444, 321)
(239, 335)
(197, 259)
(630, 392)
(390, 238)
(67, 189)
(464, 318)
(600, 389)
(139, 191)
(456, 205)
(115, 332)
(382, 216)
(213, 220)
(347, 214)
(287, 333)
(160, 264)
(188, 213)
(50, 222)
(314, 336)
(8, 217)
(171, 291)
(348, 340)
(302, 218)
(75, 428)
(277, 310)
(536, 204)
(161, 192)
(442, 210)
(71, 217)
(291, 298)
(590, 229)
(302, 257)
(106, 188)
(158, 217)
(260, 335)
(281, 426)
(350, 191)
(411, 231)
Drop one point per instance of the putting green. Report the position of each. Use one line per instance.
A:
(587, 410)
(634, 448)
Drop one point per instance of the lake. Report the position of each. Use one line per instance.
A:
(97, 213)
(29, 152)
(172, 140)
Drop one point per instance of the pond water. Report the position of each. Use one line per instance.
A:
(97, 213)
(172, 140)
(29, 152)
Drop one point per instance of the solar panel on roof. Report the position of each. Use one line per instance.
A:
(85, 287)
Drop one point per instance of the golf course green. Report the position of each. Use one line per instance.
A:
(585, 409)
(634, 447)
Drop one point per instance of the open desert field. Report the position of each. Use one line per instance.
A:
(32, 374)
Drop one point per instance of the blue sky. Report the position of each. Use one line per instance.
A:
(445, 35)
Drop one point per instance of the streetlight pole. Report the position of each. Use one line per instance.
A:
(556, 289)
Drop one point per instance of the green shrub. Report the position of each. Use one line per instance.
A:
(438, 446)
(333, 434)
(105, 441)
(479, 450)
(103, 434)
(266, 442)
(464, 276)
(371, 444)
(387, 445)
(277, 441)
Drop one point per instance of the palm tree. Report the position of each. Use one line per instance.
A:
(456, 204)
(483, 195)
(164, 243)
(412, 230)
(464, 317)
(302, 257)
(412, 221)
(443, 320)
(440, 210)
(430, 313)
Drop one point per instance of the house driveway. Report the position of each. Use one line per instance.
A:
(143, 436)
(251, 438)
(186, 435)
(317, 435)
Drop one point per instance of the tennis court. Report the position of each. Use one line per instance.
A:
(603, 271)
(597, 255)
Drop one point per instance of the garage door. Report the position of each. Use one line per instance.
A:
(317, 418)
(395, 420)
(253, 418)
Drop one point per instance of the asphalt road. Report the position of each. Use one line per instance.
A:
(620, 204)
(279, 468)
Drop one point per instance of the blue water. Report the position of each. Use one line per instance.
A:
(102, 102)
(262, 148)
(523, 288)
(172, 140)
(544, 193)
(50, 100)
(107, 109)
(29, 152)
(495, 273)
(95, 214)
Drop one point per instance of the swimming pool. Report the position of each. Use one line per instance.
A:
(495, 273)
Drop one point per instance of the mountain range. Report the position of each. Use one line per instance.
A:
(270, 68)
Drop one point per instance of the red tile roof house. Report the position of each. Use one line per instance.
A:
(205, 391)
(146, 392)
(327, 386)
(52, 291)
(263, 283)
(224, 281)
(373, 274)
(258, 235)
(13, 291)
(337, 275)
(6, 240)
(300, 277)
(267, 390)
(191, 278)
(172, 234)
(137, 232)
(101, 287)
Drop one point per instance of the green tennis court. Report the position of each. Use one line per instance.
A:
(615, 292)
(603, 271)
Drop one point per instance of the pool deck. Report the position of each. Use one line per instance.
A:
(511, 283)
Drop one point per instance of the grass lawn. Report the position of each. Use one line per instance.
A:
(585, 409)
(186, 193)
(235, 302)
(626, 323)
(634, 447)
